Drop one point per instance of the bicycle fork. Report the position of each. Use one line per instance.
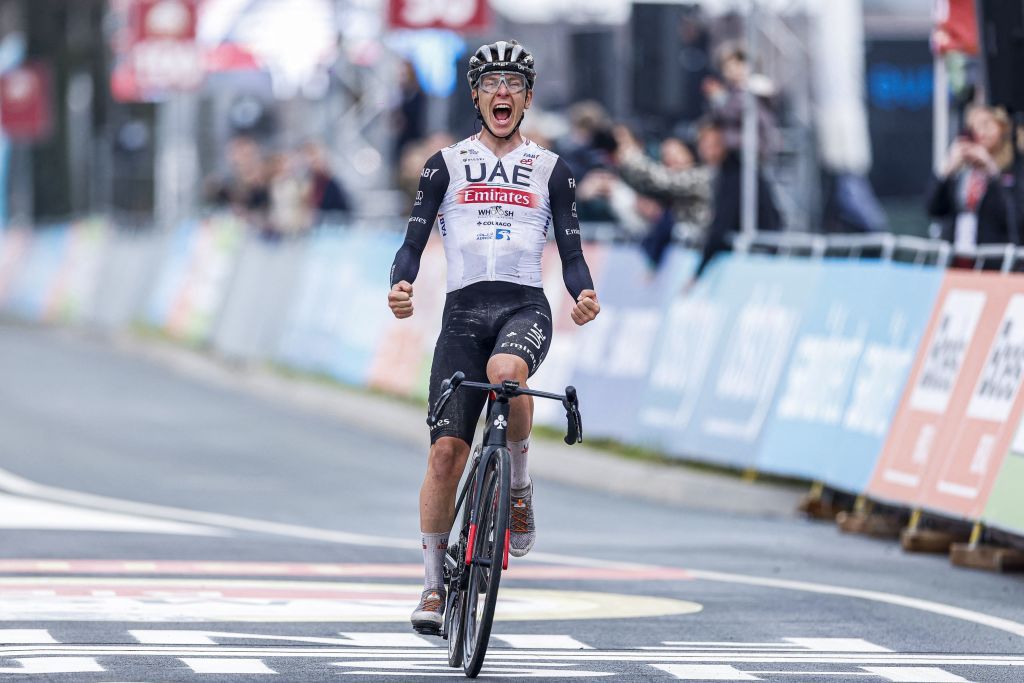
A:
(471, 540)
(494, 437)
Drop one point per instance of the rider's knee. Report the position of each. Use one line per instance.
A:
(447, 458)
(502, 369)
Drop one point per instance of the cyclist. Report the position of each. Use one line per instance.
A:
(494, 195)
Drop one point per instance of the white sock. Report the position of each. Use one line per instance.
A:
(520, 466)
(434, 547)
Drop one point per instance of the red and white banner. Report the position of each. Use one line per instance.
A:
(954, 425)
(26, 112)
(156, 49)
(466, 16)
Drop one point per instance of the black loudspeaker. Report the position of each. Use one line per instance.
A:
(670, 45)
(1001, 36)
(593, 67)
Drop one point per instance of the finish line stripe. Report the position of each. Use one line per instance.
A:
(404, 571)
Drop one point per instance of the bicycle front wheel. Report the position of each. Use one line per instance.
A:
(489, 546)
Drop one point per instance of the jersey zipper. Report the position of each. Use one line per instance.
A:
(490, 256)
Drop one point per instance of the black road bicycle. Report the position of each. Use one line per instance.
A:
(473, 565)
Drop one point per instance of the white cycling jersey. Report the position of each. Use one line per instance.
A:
(495, 215)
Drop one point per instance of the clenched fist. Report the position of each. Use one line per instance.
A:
(586, 308)
(400, 299)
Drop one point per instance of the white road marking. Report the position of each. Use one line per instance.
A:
(714, 643)
(914, 674)
(810, 673)
(699, 672)
(152, 600)
(511, 656)
(12, 483)
(227, 666)
(791, 645)
(837, 644)
(391, 640)
(434, 669)
(25, 636)
(360, 639)
(53, 665)
(534, 655)
(939, 608)
(15, 484)
(549, 642)
(25, 513)
(160, 637)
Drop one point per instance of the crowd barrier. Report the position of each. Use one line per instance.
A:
(899, 381)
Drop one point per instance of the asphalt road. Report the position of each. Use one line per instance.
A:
(159, 528)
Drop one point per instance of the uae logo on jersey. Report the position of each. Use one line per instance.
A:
(485, 194)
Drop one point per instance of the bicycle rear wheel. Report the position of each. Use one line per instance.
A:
(489, 545)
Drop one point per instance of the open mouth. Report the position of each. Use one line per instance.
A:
(502, 113)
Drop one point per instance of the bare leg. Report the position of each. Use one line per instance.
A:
(445, 464)
(503, 366)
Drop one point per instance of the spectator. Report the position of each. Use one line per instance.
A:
(978, 197)
(325, 192)
(603, 196)
(674, 190)
(410, 116)
(676, 180)
(726, 101)
(245, 189)
(676, 154)
(722, 146)
(589, 143)
(727, 193)
(290, 212)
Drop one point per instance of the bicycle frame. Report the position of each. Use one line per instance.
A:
(481, 503)
(494, 438)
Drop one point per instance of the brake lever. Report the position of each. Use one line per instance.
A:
(448, 387)
(573, 418)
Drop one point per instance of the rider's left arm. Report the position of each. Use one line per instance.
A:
(562, 191)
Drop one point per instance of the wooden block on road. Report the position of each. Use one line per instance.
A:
(875, 525)
(818, 508)
(926, 541)
(988, 557)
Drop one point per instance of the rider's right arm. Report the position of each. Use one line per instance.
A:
(433, 186)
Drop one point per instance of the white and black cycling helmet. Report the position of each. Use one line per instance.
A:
(504, 55)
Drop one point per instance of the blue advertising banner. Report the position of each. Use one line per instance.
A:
(37, 276)
(850, 363)
(688, 339)
(361, 309)
(173, 271)
(765, 298)
(616, 352)
(339, 313)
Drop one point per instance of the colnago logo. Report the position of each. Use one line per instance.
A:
(485, 194)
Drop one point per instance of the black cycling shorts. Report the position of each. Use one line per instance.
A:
(480, 321)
